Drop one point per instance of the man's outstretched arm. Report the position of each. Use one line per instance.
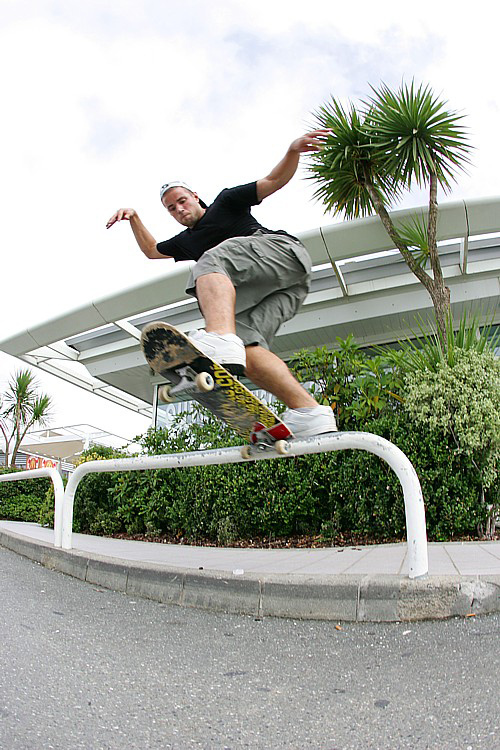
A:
(285, 170)
(144, 238)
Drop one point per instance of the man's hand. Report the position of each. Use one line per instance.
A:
(285, 170)
(144, 238)
(313, 141)
(122, 213)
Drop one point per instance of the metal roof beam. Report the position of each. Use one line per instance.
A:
(464, 251)
(340, 279)
(126, 326)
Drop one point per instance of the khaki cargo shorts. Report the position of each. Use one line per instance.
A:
(271, 274)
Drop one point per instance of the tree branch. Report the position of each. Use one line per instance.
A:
(386, 220)
(7, 440)
(432, 232)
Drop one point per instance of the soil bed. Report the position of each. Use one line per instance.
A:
(295, 542)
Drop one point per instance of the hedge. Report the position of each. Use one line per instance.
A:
(22, 500)
(333, 494)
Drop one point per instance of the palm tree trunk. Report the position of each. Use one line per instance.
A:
(7, 445)
(440, 294)
(438, 291)
(441, 301)
(17, 442)
(21, 434)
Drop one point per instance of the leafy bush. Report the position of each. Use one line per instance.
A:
(339, 494)
(355, 384)
(22, 500)
(462, 400)
(94, 511)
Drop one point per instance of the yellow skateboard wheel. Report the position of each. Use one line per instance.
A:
(164, 394)
(282, 447)
(246, 451)
(204, 381)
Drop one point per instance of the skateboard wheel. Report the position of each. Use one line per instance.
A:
(282, 447)
(246, 451)
(164, 394)
(204, 381)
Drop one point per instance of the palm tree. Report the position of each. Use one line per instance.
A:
(21, 407)
(373, 155)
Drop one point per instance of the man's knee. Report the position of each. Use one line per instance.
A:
(215, 280)
(254, 360)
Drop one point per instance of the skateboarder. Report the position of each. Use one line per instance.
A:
(248, 280)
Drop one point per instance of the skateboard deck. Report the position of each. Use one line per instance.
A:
(171, 354)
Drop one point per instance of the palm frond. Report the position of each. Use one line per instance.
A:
(415, 236)
(417, 135)
(424, 351)
(345, 166)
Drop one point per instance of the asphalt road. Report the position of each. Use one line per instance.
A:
(87, 668)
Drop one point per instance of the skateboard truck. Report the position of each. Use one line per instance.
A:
(190, 382)
(263, 439)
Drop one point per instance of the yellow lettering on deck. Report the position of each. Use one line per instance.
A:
(240, 396)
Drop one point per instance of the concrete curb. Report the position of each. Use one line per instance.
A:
(342, 597)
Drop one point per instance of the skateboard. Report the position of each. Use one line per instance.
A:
(172, 355)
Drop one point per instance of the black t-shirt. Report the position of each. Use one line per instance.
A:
(228, 216)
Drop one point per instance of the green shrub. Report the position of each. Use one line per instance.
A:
(47, 508)
(345, 493)
(22, 500)
(355, 384)
(93, 511)
(462, 400)
(450, 484)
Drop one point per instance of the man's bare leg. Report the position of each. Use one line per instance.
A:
(269, 372)
(216, 297)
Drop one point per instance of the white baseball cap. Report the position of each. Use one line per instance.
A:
(178, 183)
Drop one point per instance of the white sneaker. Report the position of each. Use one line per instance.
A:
(310, 421)
(227, 349)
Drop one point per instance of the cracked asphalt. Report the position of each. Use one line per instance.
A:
(87, 668)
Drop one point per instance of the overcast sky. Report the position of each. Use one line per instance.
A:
(105, 100)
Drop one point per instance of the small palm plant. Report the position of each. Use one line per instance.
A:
(21, 407)
(372, 155)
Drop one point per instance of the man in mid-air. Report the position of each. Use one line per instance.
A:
(248, 280)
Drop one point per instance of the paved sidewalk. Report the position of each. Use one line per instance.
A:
(368, 583)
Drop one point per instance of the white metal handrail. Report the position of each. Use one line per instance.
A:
(399, 463)
(57, 482)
